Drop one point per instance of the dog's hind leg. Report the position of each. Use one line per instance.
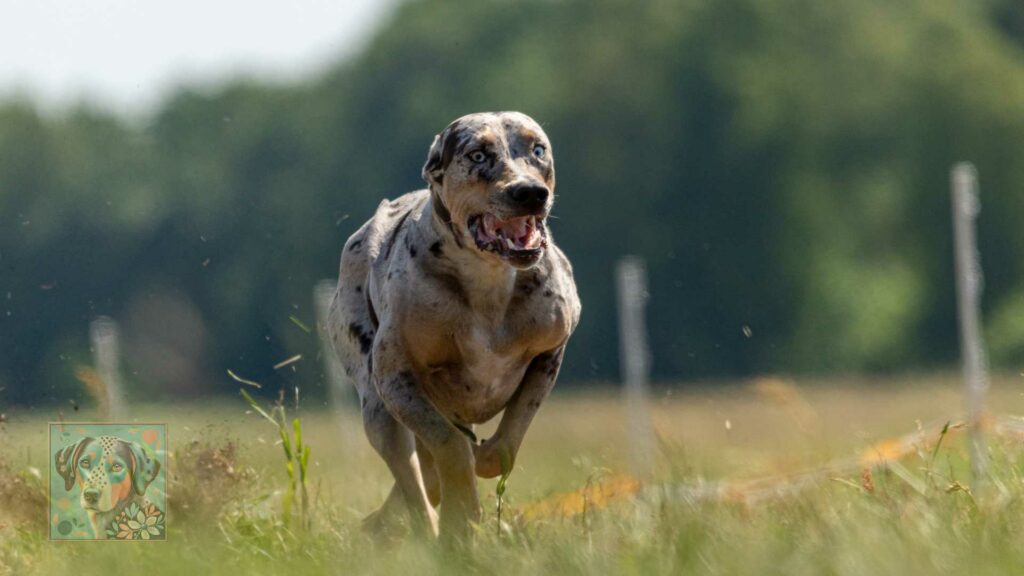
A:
(352, 325)
(397, 446)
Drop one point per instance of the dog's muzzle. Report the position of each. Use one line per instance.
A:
(521, 239)
(91, 498)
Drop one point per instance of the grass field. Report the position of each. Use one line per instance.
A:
(918, 516)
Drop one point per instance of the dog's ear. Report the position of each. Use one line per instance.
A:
(66, 460)
(144, 466)
(433, 174)
(442, 150)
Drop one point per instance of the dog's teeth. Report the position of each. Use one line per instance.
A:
(490, 225)
(511, 245)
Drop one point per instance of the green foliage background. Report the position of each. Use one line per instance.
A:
(781, 164)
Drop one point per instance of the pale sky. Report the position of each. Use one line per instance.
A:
(125, 54)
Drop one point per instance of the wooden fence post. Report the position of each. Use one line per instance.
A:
(969, 285)
(104, 336)
(634, 357)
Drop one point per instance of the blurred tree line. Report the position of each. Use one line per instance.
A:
(781, 164)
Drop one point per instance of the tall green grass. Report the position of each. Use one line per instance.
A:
(296, 456)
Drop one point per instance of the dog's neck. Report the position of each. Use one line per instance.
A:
(488, 283)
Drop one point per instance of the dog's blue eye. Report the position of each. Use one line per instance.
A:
(477, 156)
(538, 151)
(83, 464)
(116, 467)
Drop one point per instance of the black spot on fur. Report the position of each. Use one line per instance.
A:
(444, 215)
(435, 249)
(440, 209)
(548, 293)
(549, 363)
(553, 365)
(527, 285)
(365, 338)
(359, 289)
(403, 380)
(373, 313)
(412, 251)
(441, 154)
(451, 284)
(453, 142)
(375, 409)
(394, 234)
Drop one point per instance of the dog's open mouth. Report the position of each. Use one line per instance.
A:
(520, 237)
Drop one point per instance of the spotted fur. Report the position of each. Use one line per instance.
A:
(459, 334)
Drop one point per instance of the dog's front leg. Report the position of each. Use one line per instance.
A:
(404, 398)
(497, 454)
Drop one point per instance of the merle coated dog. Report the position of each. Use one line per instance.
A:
(454, 305)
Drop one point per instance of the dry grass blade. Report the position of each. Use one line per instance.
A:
(241, 380)
(291, 360)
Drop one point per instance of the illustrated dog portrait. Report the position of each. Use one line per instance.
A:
(112, 475)
(453, 305)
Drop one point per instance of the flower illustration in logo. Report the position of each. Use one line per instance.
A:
(135, 523)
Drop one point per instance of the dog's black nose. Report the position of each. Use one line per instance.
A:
(530, 196)
(91, 495)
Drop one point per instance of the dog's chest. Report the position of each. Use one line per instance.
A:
(491, 366)
(476, 384)
(475, 354)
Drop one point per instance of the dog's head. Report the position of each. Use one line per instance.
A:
(493, 179)
(107, 469)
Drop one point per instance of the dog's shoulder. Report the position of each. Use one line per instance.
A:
(374, 241)
(388, 223)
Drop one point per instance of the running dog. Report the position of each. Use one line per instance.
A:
(454, 304)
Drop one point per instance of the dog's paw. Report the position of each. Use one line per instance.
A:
(384, 526)
(493, 458)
